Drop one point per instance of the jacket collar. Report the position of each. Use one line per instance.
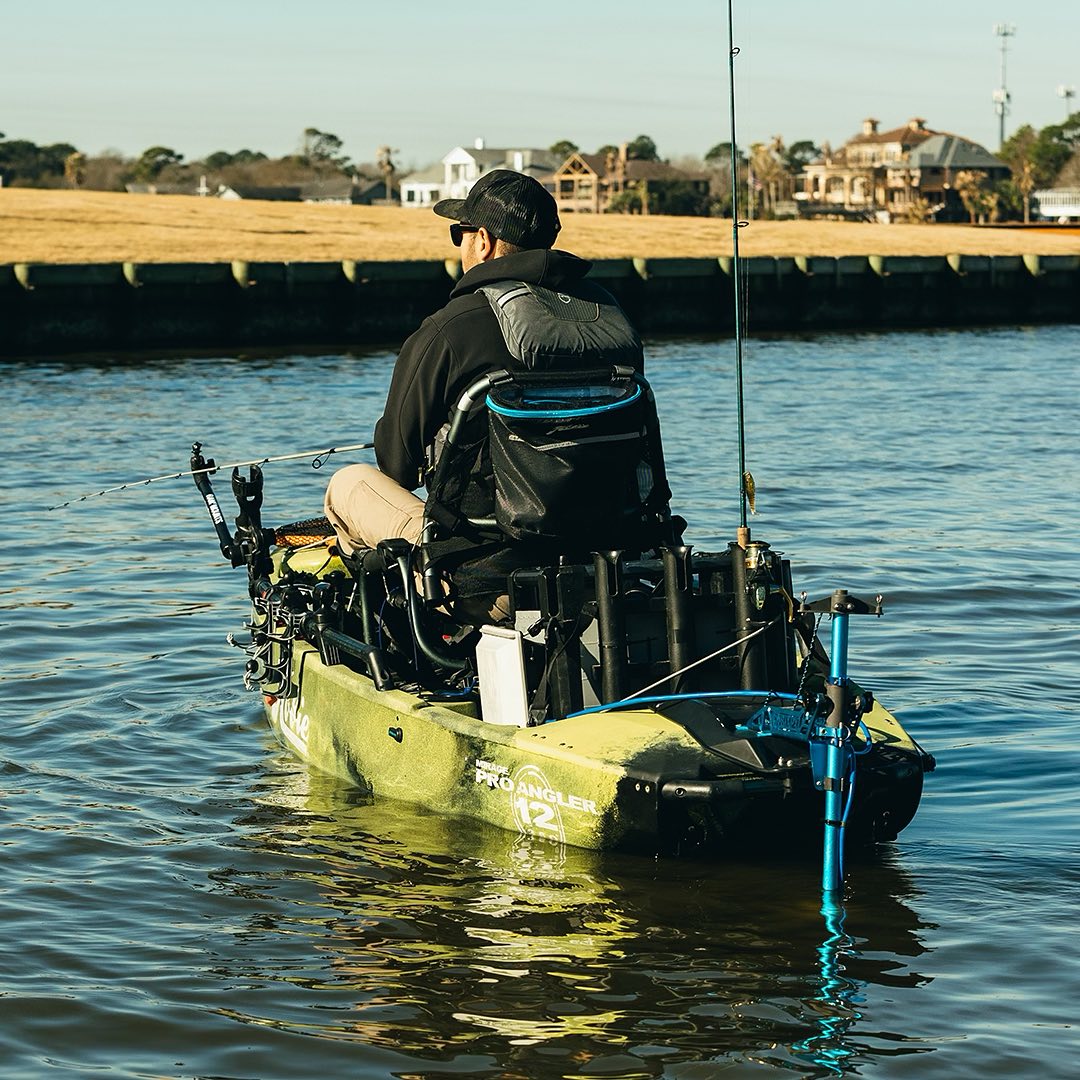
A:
(552, 268)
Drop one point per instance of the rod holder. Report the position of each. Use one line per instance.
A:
(611, 623)
(679, 609)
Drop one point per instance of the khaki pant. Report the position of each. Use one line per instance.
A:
(366, 506)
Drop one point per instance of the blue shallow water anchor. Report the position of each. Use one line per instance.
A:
(831, 751)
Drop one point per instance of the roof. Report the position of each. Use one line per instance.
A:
(162, 189)
(493, 157)
(636, 169)
(657, 170)
(339, 187)
(942, 151)
(274, 194)
(910, 134)
(433, 174)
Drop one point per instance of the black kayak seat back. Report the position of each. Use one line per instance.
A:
(576, 458)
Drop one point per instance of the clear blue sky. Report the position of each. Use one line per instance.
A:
(204, 75)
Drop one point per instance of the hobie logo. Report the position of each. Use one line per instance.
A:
(292, 723)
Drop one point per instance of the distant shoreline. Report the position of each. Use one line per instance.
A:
(63, 226)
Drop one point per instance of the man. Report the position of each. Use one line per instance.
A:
(505, 229)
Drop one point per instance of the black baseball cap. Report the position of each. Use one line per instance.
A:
(511, 206)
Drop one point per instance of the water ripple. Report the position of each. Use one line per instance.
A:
(180, 898)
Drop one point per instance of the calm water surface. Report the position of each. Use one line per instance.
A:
(179, 898)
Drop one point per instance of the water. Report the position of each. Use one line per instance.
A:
(180, 898)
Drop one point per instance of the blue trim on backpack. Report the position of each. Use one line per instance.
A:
(558, 414)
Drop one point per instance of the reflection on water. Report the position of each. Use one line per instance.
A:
(433, 937)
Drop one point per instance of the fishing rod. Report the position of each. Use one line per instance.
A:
(746, 481)
(319, 458)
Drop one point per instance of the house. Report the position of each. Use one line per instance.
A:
(276, 193)
(189, 188)
(358, 190)
(588, 183)
(462, 167)
(423, 188)
(1058, 204)
(905, 172)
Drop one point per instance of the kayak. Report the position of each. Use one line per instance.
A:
(708, 768)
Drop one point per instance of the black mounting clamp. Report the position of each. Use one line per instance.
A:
(841, 602)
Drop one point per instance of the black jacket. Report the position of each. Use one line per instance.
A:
(453, 348)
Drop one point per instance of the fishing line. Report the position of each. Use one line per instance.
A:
(319, 458)
(711, 656)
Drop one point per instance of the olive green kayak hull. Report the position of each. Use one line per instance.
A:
(616, 780)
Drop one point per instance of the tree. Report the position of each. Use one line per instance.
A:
(385, 163)
(75, 169)
(107, 171)
(979, 198)
(153, 160)
(1045, 152)
(1070, 174)
(626, 202)
(720, 154)
(221, 159)
(642, 149)
(321, 148)
(679, 197)
(25, 163)
(563, 149)
(799, 154)
(771, 179)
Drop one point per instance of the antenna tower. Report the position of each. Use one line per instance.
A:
(1001, 94)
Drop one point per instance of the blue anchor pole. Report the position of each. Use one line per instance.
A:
(832, 872)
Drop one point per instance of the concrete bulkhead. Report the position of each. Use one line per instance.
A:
(111, 307)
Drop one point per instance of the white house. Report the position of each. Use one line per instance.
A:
(423, 188)
(462, 167)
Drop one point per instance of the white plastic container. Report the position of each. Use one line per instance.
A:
(500, 668)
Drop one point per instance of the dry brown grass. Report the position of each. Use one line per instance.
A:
(78, 226)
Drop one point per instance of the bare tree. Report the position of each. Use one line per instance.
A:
(75, 169)
(385, 162)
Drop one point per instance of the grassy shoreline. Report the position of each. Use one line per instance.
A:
(51, 226)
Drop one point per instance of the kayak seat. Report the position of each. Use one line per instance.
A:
(561, 462)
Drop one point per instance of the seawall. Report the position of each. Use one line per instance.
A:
(55, 308)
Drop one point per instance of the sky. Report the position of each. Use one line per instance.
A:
(424, 76)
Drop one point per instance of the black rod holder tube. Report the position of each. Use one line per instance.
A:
(416, 620)
(213, 508)
(565, 658)
(367, 618)
(679, 609)
(753, 670)
(329, 641)
(611, 623)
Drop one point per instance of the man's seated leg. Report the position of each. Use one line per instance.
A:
(365, 506)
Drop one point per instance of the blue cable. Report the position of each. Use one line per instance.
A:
(844, 817)
(869, 741)
(704, 695)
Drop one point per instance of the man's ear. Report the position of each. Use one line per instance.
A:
(485, 244)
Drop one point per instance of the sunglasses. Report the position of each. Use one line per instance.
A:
(458, 229)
